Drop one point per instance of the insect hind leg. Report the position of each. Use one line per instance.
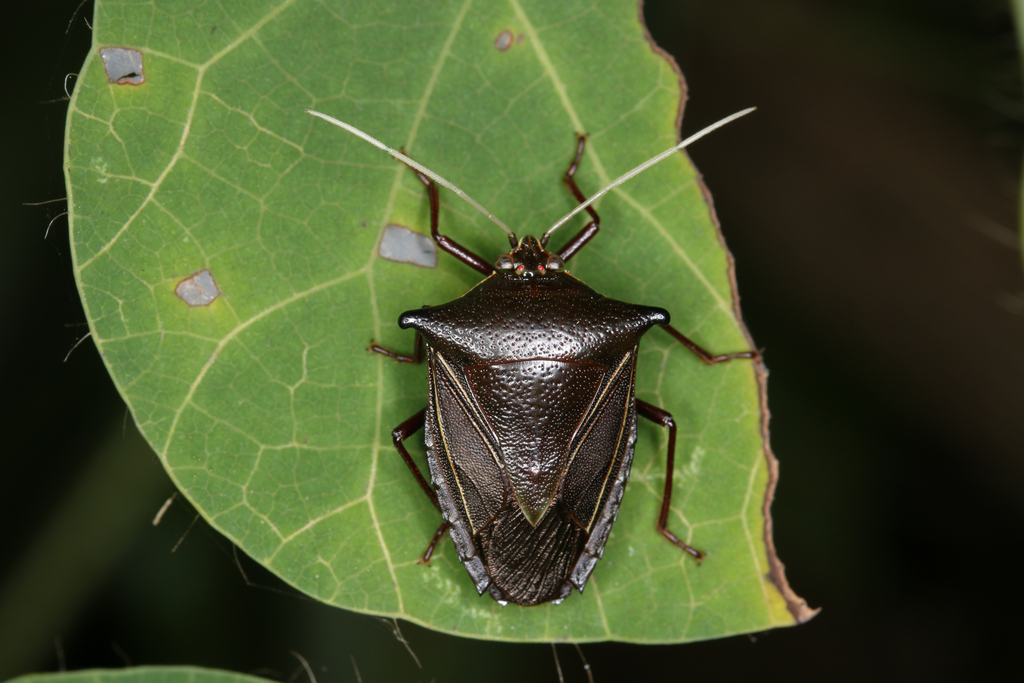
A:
(664, 418)
(438, 535)
(398, 435)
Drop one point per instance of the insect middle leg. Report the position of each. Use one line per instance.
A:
(445, 242)
(591, 228)
(664, 418)
(416, 358)
(398, 435)
(707, 357)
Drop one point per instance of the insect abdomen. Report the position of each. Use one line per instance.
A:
(529, 565)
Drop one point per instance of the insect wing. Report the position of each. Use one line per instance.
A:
(575, 437)
(601, 447)
(467, 453)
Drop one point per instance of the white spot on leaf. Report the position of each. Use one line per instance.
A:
(692, 468)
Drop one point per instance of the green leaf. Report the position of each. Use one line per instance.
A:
(264, 405)
(142, 674)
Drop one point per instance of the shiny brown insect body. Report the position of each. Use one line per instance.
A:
(530, 423)
(531, 416)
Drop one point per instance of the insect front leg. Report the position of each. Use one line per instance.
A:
(445, 242)
(664, 419)
(398, 435)
(591, 228)
(707, 357)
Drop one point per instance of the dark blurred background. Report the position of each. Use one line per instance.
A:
(871, 205)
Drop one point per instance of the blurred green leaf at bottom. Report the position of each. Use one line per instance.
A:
(142, 674)
(228, 252)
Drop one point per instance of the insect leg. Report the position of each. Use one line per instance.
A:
(400, 434)
(415, 358)
(591, 228)
(706, 356)
(438, 535)
(445, 242)
(664, 419)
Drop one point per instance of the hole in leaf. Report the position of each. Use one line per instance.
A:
(198, 290)
(123, 65)
(405, 246)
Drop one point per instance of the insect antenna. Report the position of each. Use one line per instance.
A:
(643, 167)
(419, 167)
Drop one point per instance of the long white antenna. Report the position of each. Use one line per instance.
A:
(418, 166)
(643, 167)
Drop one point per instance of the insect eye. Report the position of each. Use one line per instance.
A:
(541, 269)
(520, 268)
(504, 262)
(555, 263)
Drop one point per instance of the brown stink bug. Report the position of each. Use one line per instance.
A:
(531, 415)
